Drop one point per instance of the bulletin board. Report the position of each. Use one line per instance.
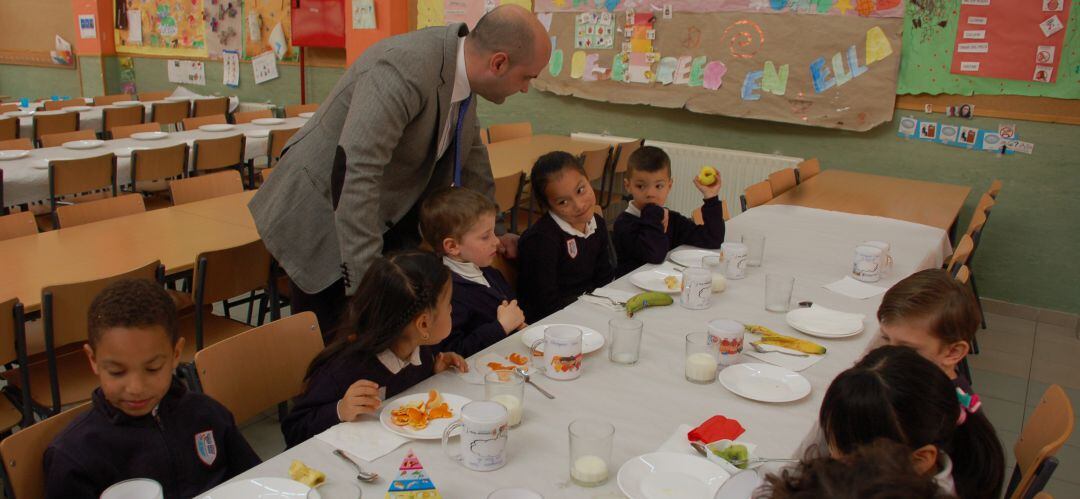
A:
(442, 12)
(268, 24)
(165, 28)
(30, 28)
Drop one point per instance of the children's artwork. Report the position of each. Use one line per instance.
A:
(127, 74)
(269, 28)
(62, 52)
(230, 68)
(134, 27)
(265, 67)
(186, 72)
(966, 111)
(163, 27)
(363, 14)
(442, 12)
(853, 8)
(412, 481)
(87, 26)
(224, 26)
(1020, 40)
(593, 30)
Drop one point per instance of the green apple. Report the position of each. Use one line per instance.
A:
(707, 175)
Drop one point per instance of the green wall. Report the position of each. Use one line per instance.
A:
(91, 69)
(151, 75)
(1028, 252)
(35, 82)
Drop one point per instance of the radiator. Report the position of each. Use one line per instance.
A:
(738, 169)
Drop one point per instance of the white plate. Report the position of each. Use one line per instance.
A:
(83, 144)
(740, 486)
(307, 115)
(434, 428)
(764, 382)
(19, 114)
(125, 152)
(10, 155)
(670, 475)
(262, 488)
(653, 280)
(267, 121)
(77, 109)
(514, 493)
(258, 134)
(127, 103)
(591, 340)
(149, 135)
(217, 127)
(808, 320)
(691, 258)
(177, 98)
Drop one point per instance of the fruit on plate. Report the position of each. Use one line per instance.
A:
(672, 282)
(642, 301)
(770, 337)
(416, 415)
(707, 175)
(518, 359)
(736, 454)
(308, 476)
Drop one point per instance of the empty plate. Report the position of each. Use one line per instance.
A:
(764, 382)
(691, 258)
(670, 475)
(10, 155)
(83, 144)
(740, 486)
(127, 103)
(307, 115)
(659, 279)
(258, 134)
(217, 127)
(19, 114)
(263, 488)
(591, 340)
(268, 121)
(149, 135)
(125, 152)
(824, 322)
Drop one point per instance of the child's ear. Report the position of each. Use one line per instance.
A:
(626, 183)
(178, 350)
(423, 323)
(956, 351)
(450, 247)
(90, 357)
(924, 459)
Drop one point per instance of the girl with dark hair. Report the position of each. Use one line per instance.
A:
(896, 394)
(400, 310)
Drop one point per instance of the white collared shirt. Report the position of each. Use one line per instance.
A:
(394, 364)
(468, 270)
(944, 478)
(461, 92)
(590, 227)
(633, 210)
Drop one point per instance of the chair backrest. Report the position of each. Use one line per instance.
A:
(53, 105)
(484, 137)
(76, 176)
(45, 124)
(257, 369)
(962, 252)
(507, 190)
(963, 274)
(9, 107)
(247, 116)
(595, 162)
(169, 113)
(16, 144)
(507, 131)
(623, 152)
(23, 453)
(808, 169)
(125, 131)
(9, 128)
(782, 180)
(122, 116)
(154, 96)
(758, 194)
(978, 220)
(699, 219)
(1046, 431)
(277, 141)
(105, 100)
(9, 329)
(198, 121)
(158, 163)
(230, 272)
(189, 190)
(210, 107)
(64, 306)
(17, 225)
(508, 268)
(264, 174)
(58, 139)
(101, 209)
(995, 188)
(295, 110)
(210, 154)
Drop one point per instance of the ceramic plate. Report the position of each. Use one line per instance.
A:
(653, 280)
(268, 121)
(307, 115)
(663, 475)
(217, 127)
(434, 428)
(19, 114)
(127, 103)
(691, 258)
(125, 152)
(764, 382)
(10, 155)
(740, 486)
(263, 488)
(149, 135)
(591, 340)
(77, 109)
(514, 493)
(83, 144)
(813, 323)
(258, 134)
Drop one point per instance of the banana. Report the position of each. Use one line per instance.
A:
(770, 337)
(642, 301)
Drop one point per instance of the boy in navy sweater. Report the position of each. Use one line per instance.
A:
(144, 423)
(459, 224)
(646, 231)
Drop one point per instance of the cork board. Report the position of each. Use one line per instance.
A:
(30, 28)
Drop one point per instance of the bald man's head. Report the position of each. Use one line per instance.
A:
(507, 48)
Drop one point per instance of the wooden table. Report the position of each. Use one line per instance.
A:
(230, 209)
(518, 155)
(927, 203)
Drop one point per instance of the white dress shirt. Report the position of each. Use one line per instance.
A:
(460, 93)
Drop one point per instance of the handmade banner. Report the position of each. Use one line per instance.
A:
(442, 12)
(827, 71)
(862, 8)
(162, 27)
(1011, 40)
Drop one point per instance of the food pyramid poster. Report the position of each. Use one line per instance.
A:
(412, 481)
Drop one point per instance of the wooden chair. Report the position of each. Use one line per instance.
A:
(248, 116)
(295, 110)
(963, 274)
(108, 100)
(45, 124)
(169, 113)
(9, 107)
(782, 180)
(210, 107)
(151, 165)
(975, 230)
(508, 196)
(23, 453)
(508, 268)
(196, 122)
(9, 128)
(484, 138)
(189, 190)
(620, 161)
(276, 144)
(995, 188)
(58, 139)
(261, 367)
(219, 154)
(70, 177)
(22, 144)
(507, 131)
(595, 163)
(808, 169)
(13, 352)
(154, 96)
(961, 254)
(126, 131)
(756, 195)
(102, 209)
(699, 219)
(113, 117)
(17, 225)
(55, 105)
(1044, 433)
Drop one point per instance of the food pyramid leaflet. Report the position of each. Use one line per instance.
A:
(412, 481)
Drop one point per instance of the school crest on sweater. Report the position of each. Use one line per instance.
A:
(571, 248)
(206, 447)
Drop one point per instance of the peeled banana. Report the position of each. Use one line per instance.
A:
(770, 337)
(642, 301)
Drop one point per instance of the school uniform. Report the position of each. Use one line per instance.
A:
(315, 410)
(640, 238)
(478, 292)
(560, 263)
(189, 444)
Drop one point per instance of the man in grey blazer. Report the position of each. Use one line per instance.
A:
(400, 123)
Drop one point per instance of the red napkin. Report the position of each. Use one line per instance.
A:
(716, 428)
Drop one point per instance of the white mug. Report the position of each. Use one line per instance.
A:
(484, 429)
(135, 488)
(735, 255)
(887, 261)
(696, 288)
(867, 264)
(727, 337)
(562, 352)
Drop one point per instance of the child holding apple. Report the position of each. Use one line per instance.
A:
(646, 231)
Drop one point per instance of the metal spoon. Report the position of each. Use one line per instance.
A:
(361, 475)
(525, 374)
(760, 349)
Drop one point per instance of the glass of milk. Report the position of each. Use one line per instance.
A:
(506, 388)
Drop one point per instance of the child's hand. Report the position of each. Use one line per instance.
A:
(709, 191)
(361, 398)
(510, 316)
(446, 360)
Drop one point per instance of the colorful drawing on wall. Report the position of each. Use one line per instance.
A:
(594, 31)
(224, 26)
(442, 12)
(186, 72)
(165, 27)
(269, 28)
(856, 8)
(1010, 40)
(127, 75)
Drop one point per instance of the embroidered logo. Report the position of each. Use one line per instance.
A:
(206, 447)
(571, 248)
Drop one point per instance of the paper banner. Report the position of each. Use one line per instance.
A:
(732, 64)
(163, 27)
(363, 14)
(264, 66)
(1021, 40)
(442, 12)
(860, 8)
(268, 28)
(230, 68)
(186, 72)
(224, 27)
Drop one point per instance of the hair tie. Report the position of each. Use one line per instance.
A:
(969, 404)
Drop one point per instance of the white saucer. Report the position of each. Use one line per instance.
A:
(83, 144)
(13, 154)
(217, 127)
(149, 135)
(691, 258)
(591, 340)
(825, 323)
(263, 488)
(670, 475)
(653, 280)
(435, 427)
(267, 121)
(764, 382)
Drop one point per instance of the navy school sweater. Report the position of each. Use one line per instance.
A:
(641, 240)
(475, 313)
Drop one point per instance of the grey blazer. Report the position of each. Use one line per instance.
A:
(366, 158)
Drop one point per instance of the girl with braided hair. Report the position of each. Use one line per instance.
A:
(383, 347)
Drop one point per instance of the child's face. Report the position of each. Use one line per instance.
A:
(135, 366)
(918, 336)
(478, 245)
(649, 187)
(571, 197)
(440, 321)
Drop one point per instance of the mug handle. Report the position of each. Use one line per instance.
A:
(532, 348)
(446, 439)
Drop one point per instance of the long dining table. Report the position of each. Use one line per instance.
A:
(93, 118)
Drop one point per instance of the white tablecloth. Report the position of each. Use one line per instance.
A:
(93, 119)
(26, 180)
(647, 400)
